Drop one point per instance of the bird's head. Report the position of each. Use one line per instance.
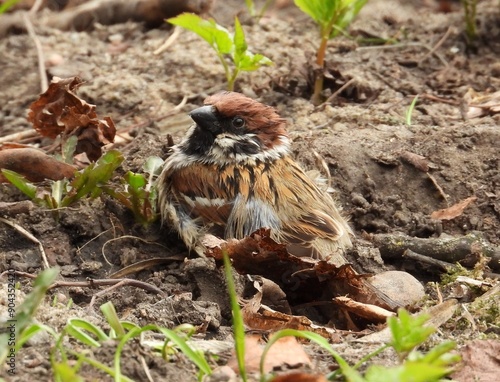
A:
(233, 128)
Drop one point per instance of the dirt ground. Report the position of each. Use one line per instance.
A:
(361, 134)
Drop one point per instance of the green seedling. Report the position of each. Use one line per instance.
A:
(63, 193)
(408, 333)
(19, 325)
(332, 17)
(470, 13)
(253, 10)
(7, 4)
(409, 111)
(225, 44)
(238, 325)
(139, 194)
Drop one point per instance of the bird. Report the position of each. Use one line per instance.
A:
(233, 173)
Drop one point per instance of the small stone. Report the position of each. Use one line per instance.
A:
(399, 286)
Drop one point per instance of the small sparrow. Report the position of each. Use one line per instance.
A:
(233, 174)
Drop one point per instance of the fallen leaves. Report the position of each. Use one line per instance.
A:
(285, 352)
(34, 165)
(61, 115)
(296, 282)
(60, 112)
(476, 104)
(453, 211)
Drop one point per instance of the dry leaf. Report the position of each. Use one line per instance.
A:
(59, 112)
(34, 164)
(453, 211)
(299, 377)
(286, 352)
(368, 311)
(478, 104)
(418, 161)
(480, 361)
(302, 279)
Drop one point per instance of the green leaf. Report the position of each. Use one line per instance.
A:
(108, 310)
(136, 181)
(68, 149)
(238, 325)
(218, 37)
(87, 182)
(153, 165)
(408, 331)
(321, 11)
(26, 310)
(25, 186)
(240, 45)
(77, 328)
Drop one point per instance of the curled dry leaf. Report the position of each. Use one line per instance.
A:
(371, 312)
(479, 104)
(453, 211)
(418, 161)
(34, 165)
(304, 280)
(59, 111)
(284, 352)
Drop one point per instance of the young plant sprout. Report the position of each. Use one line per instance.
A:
(332, 17)
(225, 44)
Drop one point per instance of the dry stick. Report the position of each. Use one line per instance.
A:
(336, 93)
(126, 237)
(146, 369)
(438, 187)
(17, 137)
(171, 39)
(121, 282)
(29, 236)
(443, 265)
(44, 82)
(36, 7)
(436, 47)
(450, 249)
(411, 44)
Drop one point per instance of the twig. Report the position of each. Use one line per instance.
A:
(436, 47)
(336, 93)
(439, 264)
(17, 137)
(29, 236)
(144, 264)
(405, 45)
(44, 83)
(439, 99)
(171, 39)
(468, 248)
(116, 283)
(438, 187)
(36, 7)
(126, 237)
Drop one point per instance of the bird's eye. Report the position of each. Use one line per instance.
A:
(238, 122)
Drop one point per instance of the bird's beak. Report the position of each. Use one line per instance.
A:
(206, 118)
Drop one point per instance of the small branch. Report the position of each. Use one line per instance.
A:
(29, 236)
(171, 39)
(44, 82)
(437, 264)
(467, 248)
(438, 187)
(336, 93)
(18, 137)
(437, 46)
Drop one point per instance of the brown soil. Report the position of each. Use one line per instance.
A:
(361, 136)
